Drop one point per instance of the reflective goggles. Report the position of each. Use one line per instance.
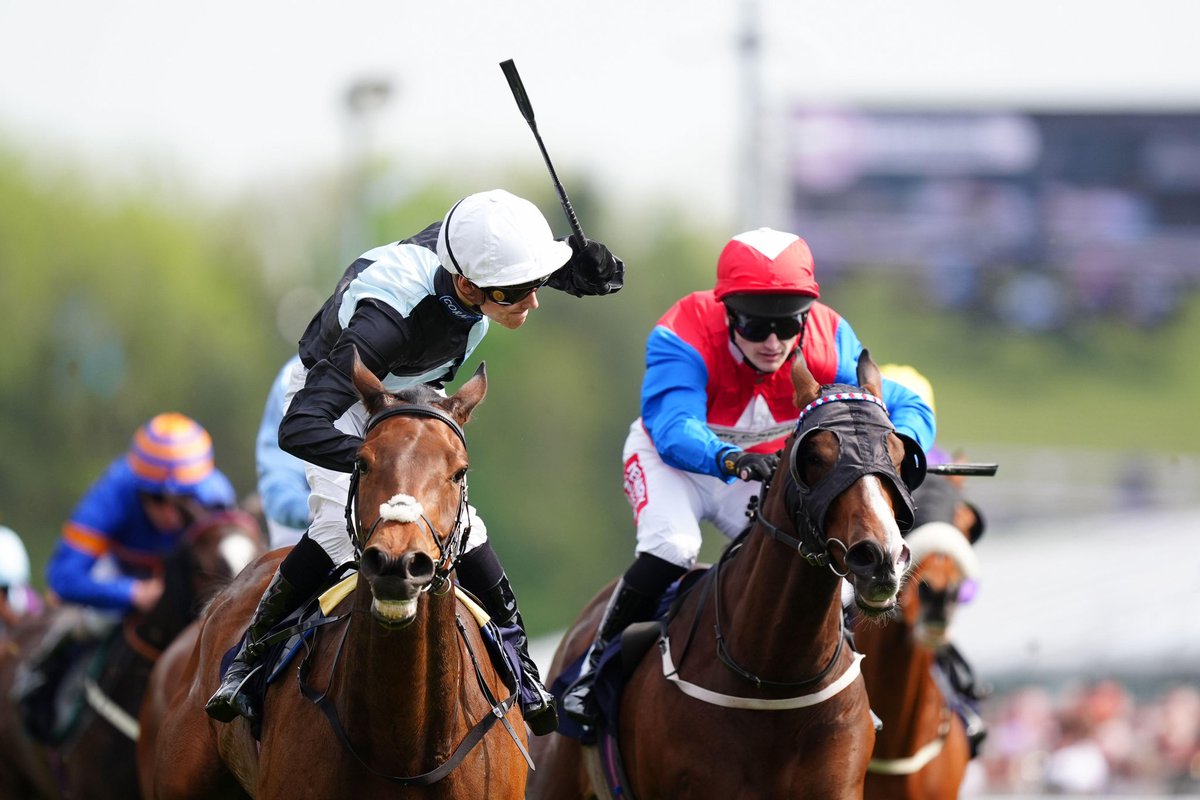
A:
(759, 329)
(511, 295)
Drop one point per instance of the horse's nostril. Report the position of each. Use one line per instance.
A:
(864, 558)
(373, 562)
(417, 567)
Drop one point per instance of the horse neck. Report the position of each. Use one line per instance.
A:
(897, 673)
(174, 610)
(777, 609)
(405, 682)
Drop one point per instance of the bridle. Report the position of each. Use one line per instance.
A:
(450, 545)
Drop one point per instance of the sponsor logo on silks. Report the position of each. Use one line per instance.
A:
(456, 308)
(635, 485)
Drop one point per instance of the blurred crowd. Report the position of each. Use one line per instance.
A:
(1095, 738)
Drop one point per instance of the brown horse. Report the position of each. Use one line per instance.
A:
(922, 750)
(772, 705)
(410, 704)
(98, 758)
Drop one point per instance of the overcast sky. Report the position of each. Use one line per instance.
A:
(643, 97)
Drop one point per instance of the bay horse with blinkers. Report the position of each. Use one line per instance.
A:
(772, 705)
(397, 696)
(98, 759)
(922, 751)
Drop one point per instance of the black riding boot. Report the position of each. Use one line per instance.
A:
(299, 576)
(626, 606)
(480, 572)
(229, 702)
(537, 705)
(634, 599)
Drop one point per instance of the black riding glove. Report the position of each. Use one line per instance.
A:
(749, 466)
(591, 270)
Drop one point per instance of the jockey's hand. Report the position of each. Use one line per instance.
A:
(750, 466)
(591, 270)
(146, 593)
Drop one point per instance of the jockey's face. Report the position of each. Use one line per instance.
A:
(767, 355)
(166, 513)
(510, 316)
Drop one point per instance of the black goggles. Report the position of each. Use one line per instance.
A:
(759, 329)
(511, 295)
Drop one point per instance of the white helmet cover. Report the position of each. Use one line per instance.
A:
(14, 560)
(495, 238)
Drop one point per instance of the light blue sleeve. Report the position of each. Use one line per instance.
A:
(675, 405)
(910, 414)
(282, 486)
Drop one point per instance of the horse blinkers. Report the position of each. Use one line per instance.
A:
(867, 455)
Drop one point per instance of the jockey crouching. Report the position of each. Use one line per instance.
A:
(717, 405)
(108, 561)
(414, 311)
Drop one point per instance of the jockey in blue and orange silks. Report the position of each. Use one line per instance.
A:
(114, 542)
(717, 405)
(108, 561)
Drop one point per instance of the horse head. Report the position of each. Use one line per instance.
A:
(409, 491)
(218, 547)
(209, 554)
(853, 474)
(944, 566)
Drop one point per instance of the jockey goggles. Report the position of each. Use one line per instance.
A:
(511, 295)
(759, 329)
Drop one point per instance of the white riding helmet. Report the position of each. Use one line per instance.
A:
(495, 238)
(14, 561)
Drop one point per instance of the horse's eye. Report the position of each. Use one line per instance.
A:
(361, 465)
(460, 476)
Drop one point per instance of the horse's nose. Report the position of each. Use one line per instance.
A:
(396, 576)
(864, 559)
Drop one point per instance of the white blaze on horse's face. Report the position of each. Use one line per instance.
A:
(877, 500)
(237, 552)
(877, 503)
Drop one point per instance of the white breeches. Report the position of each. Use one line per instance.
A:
(669, 504)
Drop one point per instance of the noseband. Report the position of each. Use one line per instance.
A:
(451, 545)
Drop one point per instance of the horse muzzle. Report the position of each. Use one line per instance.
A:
(875, 576)
(396, 583)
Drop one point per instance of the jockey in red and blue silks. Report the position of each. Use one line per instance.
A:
(112, 547)
(717, 405)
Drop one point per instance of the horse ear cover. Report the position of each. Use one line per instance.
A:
(912, 468)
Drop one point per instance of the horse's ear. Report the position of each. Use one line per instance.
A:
(805, 388)
(369, 387)
(470, 394)
(869, 376)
